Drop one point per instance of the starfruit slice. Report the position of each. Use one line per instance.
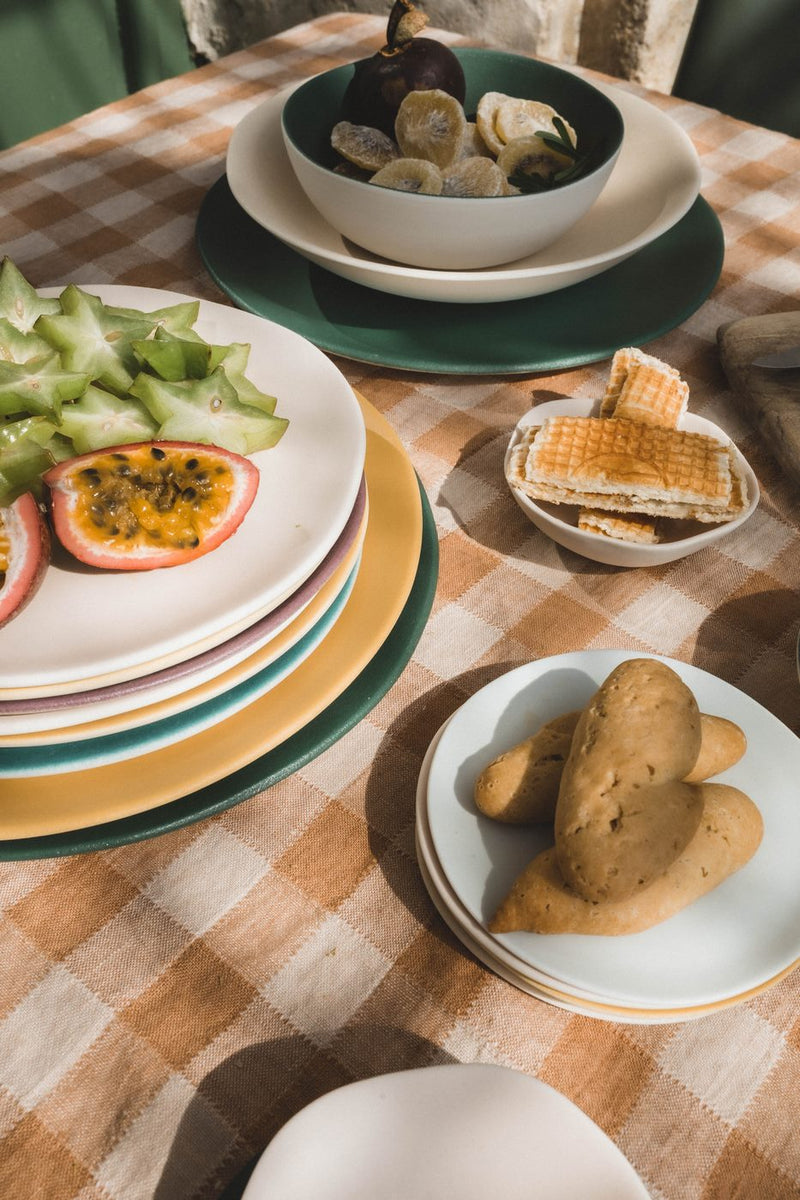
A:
(95, 339)
(99, 419)
(209, 411)
(20, 303)
(39, 386)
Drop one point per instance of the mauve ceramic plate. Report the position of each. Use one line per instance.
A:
(22, 717)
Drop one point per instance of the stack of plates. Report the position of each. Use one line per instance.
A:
(123, 692)
(641, 261)
(723, 949)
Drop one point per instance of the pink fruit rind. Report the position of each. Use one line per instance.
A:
(29, 555)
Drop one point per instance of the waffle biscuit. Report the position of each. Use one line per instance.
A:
(627, 466)
(650, 395)
(622, 362)
(622, 527)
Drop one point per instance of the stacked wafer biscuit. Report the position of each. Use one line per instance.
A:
(632, 466)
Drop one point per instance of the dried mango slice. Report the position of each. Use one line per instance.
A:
(485, 115)
(430, 125)
(410, 175)
(516, 118)
(475, 176)
(367, 148)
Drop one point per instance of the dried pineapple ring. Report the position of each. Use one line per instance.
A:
(476, 176)
(410, 175)
(517, 118)
(529, 156)
(430, 125)
(485, 119)
(364, 146)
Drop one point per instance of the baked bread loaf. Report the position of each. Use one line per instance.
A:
(623, 812)
(726, 838)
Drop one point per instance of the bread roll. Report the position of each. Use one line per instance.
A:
(726, 838)
(520, 787)
(623, 813)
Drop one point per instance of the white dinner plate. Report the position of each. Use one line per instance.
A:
(654, 183)
(80, 754)
(87, 627)
(740, 935)
(560, 521)
(466, 1130)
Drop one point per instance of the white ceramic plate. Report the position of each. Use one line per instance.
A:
(82, 754)
(499, 959)
(90, 628)
(654, 184)
(560, 521)
(734, 939)
(469, 1130)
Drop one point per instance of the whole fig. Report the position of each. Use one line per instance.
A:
(406, 63)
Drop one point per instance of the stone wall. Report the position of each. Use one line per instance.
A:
(641, 40)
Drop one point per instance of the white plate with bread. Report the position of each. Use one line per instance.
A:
(633, 479)
(736, 937)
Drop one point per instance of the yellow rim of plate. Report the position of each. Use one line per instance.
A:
(47, 804)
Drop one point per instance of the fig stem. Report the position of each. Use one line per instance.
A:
(405, 20)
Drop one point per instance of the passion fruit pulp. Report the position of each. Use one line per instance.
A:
(24, 554)
(405, 64)
(151, 504)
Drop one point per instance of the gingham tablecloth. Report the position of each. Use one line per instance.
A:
(166, 1007)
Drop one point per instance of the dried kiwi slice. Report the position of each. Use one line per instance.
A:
(367, 148)
(529, 156)
(410, 175)
(517, 118)
(475, 176)
(485, 116)
(431, 125)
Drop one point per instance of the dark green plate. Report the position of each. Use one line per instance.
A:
(638, 300)
(354, 703)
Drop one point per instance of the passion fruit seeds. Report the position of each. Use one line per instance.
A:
(513, 145)
(157, 504)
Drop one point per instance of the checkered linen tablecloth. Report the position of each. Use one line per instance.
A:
(166, 1007)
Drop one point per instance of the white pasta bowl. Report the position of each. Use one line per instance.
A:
(560, 521)
(442, 232)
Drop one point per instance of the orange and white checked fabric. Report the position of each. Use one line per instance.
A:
(165, 1007)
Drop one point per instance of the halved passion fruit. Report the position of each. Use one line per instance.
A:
(149, 504)
(24, 554)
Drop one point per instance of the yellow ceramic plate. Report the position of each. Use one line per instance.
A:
(37, 806)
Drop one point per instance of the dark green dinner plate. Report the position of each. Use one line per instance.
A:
(332, 723)
(638, 300)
